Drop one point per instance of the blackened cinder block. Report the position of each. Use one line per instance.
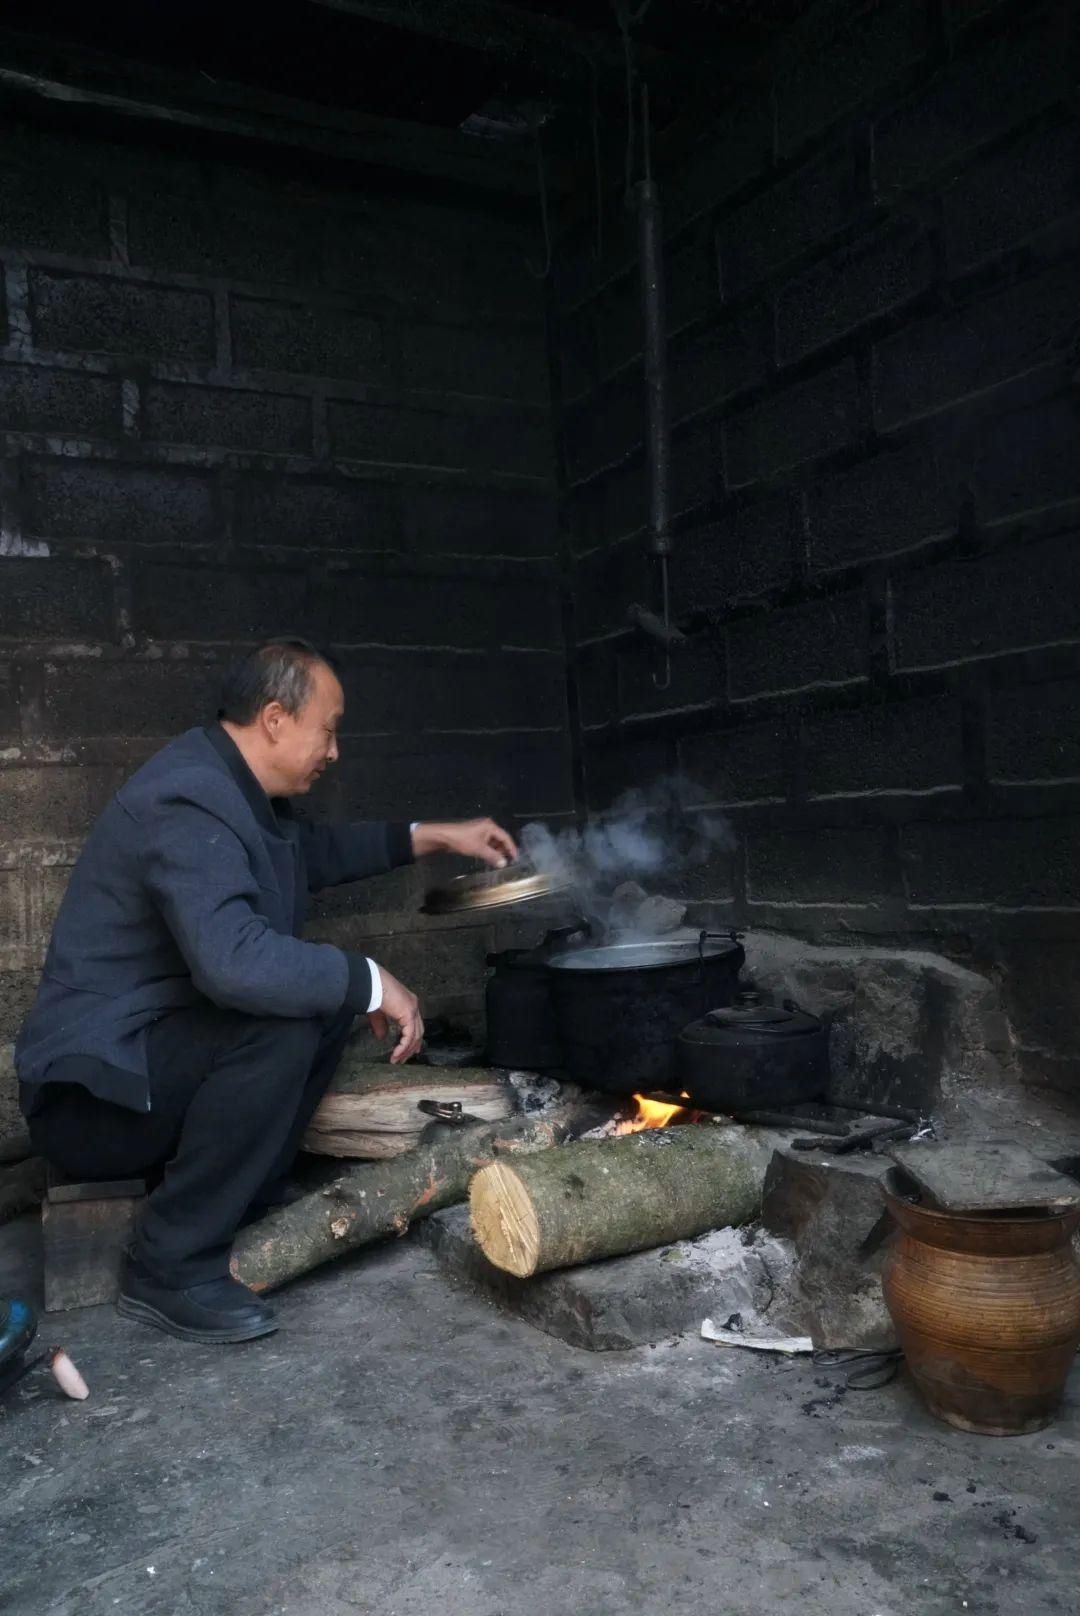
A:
(605, 584)
(696, 678)
(442, 604)
(821, 643)
(616, 318)
(104, 503)
(426, 256)
(174, 233)
(219, 603)
(480, 360)
(471, 521)
(906, 746)
(49, 599)
(603, 428)
(978, 98)
(1013, 195)
(56, 210)
(34, 399)
(226, 418)
(727, 159)
(743, 763)
(620, 764)
(13, 909)
(783, 221)
(17, 989)
(153, 699)
(1027, 459)
(854, 65)
(748, 551)
(9, 703)
(435, 777)
(697, 472)
(596, 671)
(1034, 733)
(1008, 863)
(872, 277)
(88, 314)
(1015, 599)
(308, 513)
(305, 338)
(404, 691)
(56, 801)
(943, 360)
(708, 367)
(804, 421)
(829, 866)
(692, 280)
(896, 501)
(513, 441)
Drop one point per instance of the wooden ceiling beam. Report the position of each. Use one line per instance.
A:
(40, 69)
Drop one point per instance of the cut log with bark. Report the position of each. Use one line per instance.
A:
(371, 1111)
(605, 1197)
(372, 1200)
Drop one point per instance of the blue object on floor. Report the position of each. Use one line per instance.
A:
(18, 1327)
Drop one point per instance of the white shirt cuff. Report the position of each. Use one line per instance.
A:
(376, 988)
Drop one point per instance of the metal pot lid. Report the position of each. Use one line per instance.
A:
(645, 956)
(750, 1012)
(492, 889)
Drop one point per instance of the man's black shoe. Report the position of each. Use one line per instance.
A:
(216, 1310)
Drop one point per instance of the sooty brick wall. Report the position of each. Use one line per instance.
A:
(872, 289)
(232, 404)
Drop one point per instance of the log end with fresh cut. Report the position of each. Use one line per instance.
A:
(602, 1198)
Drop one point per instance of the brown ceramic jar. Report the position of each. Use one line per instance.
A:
(987, 1311)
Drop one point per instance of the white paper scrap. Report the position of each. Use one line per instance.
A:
(791, 1344)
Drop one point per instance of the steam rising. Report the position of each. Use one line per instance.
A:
(648, 835)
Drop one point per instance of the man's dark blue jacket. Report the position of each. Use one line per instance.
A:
(191, 885)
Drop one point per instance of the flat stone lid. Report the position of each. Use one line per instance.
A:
(990, 1176)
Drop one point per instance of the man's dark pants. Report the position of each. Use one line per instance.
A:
(230, 1098)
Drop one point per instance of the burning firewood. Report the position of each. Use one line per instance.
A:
(376, 1199)
(603, 1198)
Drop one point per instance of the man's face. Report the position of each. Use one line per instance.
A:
(307, 744)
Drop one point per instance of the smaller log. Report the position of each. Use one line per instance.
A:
(603, 1198)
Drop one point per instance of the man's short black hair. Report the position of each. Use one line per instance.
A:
(279, 670)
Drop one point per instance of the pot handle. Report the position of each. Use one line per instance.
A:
(704, 937)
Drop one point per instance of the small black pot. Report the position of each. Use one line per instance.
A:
(751, 1054)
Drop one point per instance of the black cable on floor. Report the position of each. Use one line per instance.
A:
(868, 1368)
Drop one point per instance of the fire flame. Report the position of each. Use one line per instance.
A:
(650, 1114)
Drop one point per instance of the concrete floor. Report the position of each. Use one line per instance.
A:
(400, 1448)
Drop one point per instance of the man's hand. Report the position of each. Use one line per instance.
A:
(472, 838)
(402, 1007)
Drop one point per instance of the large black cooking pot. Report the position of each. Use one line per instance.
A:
(619, 1007)
(750, 1054)
(521, 1030)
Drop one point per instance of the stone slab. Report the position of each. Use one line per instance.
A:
(622, 1302)
(993, 1175)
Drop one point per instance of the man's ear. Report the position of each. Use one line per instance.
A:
(270, 718)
